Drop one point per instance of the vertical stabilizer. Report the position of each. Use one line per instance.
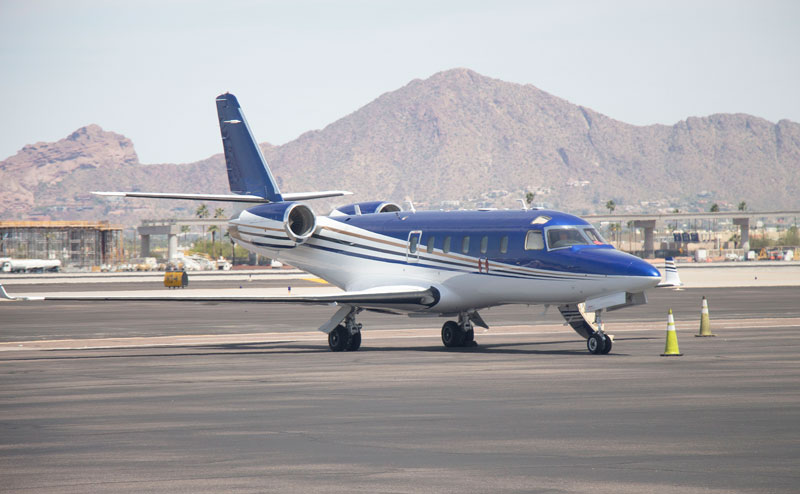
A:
(248, 172)
(671, 277)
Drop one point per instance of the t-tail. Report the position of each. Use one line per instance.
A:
(249, 176)
(248, 172)
(671, 278)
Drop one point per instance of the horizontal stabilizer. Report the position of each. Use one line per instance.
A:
(191, 197)
(296, 196)
(304, 196)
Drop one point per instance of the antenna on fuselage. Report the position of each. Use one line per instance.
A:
(524, 206)
(410, 205)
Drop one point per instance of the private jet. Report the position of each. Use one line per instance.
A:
(446, 264)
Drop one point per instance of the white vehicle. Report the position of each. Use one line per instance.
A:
(8, 265)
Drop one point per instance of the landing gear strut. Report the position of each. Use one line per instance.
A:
(461, 333)
(599, 343)
(346, 336)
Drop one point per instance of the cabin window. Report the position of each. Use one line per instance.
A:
(534, 240)
(412, 244)
(446, 245)
(484, 244)
(431, 242)
(504, 244)
(465, 245)
(561, 237)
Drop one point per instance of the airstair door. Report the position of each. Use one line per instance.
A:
(412, 254)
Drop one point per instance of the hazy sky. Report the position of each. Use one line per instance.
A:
(150, 69)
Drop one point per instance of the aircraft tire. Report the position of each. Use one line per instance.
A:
(452, 334)
(596, 344)
(607, 346)
(469, 337)
(338, 339)
(354, 342)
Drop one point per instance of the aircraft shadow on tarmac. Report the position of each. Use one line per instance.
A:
(289, 347)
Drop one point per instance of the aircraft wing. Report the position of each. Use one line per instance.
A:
(397, 297)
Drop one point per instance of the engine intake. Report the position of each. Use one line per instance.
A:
(276, 225)
(369, 207)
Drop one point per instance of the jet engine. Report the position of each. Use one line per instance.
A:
(280, 224)
(367, 208)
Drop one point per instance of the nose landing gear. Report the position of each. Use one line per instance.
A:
(599, 343)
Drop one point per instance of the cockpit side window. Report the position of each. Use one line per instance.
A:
(558, 238)
(594, 236)
(534, 240)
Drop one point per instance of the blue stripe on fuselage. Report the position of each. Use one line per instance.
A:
(601, 260)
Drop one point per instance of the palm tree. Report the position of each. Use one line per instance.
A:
(202, 213)
(714, 208)
(742, 206)
(529, 197)
(218, 213)
(611, 206)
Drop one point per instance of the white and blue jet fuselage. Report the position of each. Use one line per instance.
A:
(435, 263)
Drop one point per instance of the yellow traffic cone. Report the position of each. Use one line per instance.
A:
(671, 349)
(705, 323)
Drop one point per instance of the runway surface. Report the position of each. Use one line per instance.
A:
(177, 397)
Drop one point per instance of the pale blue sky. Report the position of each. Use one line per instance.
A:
(150, 69)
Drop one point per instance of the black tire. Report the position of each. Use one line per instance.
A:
(337, 339)
(608, 345)
(595, 344)
(354, 343)
(469, 337)
(452, 334)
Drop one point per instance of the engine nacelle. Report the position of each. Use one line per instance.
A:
(369, 207)
(275, 225)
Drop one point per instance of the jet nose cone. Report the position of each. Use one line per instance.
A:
(643, 268)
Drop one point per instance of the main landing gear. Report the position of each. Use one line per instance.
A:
(459, 334)
(599, 343)
(346, 336)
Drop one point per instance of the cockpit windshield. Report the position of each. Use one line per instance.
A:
(559, 237)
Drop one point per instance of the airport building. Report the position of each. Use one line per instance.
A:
(74, 243)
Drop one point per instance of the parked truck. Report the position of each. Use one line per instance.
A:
(8, 265)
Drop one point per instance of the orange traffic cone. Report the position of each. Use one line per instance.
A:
(671, 349)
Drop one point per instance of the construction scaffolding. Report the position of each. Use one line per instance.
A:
(74, 243)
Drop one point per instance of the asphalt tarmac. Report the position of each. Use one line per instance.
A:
(265, 407)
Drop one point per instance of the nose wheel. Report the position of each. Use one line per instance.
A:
(599, 343)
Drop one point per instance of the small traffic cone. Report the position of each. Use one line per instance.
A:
(671, 349)
(705, 323)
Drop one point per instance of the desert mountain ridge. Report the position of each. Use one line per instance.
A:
(455, 139)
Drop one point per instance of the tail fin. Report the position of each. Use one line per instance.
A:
(248, 172)
(671, 277)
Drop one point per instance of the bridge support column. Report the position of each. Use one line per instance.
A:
(744, 228)
(172, 249)
(649, 243)
(145, 245)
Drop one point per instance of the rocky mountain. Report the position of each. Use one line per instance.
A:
(457, 137)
